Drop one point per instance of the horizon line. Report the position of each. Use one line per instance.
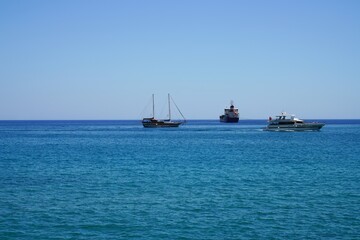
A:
(194, 119)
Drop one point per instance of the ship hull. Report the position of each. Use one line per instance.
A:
(295, 127)
(226, 119)
(161, 124)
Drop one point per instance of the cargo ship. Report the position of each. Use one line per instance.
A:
(231, 115)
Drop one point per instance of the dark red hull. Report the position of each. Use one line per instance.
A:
(226, 119)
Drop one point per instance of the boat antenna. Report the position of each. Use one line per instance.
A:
(178, 109)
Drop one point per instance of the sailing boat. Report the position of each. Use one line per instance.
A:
(155, 123)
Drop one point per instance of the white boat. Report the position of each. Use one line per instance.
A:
(288, 122)
(152, 122)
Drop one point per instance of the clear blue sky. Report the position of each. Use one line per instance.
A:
(103, 59)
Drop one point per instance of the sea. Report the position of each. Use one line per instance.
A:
(203, 180)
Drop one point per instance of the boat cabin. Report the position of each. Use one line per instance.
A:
(285, 118)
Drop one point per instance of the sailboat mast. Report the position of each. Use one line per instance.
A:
(169, 106)
(153, 106)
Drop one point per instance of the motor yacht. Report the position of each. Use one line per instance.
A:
(288, 122)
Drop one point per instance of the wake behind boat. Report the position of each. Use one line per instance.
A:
(288, 122)
(152, 122)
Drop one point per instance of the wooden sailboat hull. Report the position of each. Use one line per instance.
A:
(161, 124)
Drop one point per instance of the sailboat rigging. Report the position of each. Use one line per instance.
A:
(154, 123)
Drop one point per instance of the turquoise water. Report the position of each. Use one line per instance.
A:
(204, 180)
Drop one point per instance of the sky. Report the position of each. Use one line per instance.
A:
(84, 59)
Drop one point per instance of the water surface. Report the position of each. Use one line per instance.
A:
(204, 180)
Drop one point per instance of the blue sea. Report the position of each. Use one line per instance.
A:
(203, 180)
